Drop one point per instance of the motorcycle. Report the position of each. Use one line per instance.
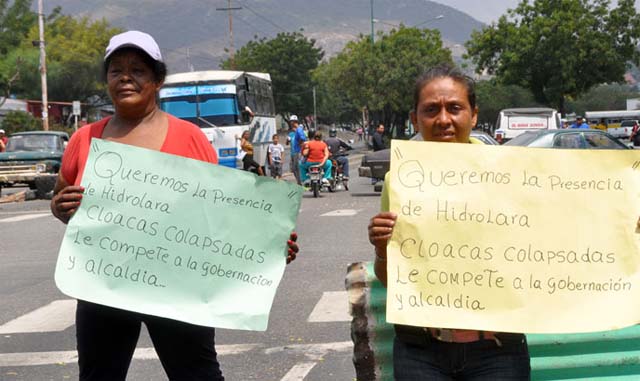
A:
(316, 180)
(337, 182)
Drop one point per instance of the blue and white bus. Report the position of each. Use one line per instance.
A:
(214, 100)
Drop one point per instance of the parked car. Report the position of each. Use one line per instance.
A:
(626, 129)
(484, 137)
(376, 164)
(569, 139)
(33, 158)
(514, 121)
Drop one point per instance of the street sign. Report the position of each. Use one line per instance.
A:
(76, 107)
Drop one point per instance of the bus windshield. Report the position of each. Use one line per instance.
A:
(201, 106)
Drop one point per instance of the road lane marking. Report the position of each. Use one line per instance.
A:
(341, 213)
(333, 306)
(299, 372)
(54, 317)
(24, 217)
(313, 351)
(67, 357)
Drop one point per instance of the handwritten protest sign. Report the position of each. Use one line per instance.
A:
(513, 239)
(178, 238)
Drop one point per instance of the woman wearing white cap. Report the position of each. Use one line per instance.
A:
(106, 336)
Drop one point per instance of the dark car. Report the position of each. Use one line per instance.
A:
(568, 139)
(376, 164)
(33, 158)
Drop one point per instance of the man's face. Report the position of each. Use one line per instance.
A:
(380, 129)
(579, 120)
(443, 112)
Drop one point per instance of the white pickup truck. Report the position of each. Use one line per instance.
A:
(514, 121)
(625, 129)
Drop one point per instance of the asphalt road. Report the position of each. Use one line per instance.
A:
(308, 334)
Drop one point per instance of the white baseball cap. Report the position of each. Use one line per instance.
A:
(134, 39)
(293, 118)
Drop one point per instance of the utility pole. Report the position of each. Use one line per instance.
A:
(229, 9)
(315, 124)
(43, 68)
(189, 64)
(372, 34)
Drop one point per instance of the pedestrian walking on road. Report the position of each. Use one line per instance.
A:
(107, 337)
(444, 110)
(377, 139)
(297, 140)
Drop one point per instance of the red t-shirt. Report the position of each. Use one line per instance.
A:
(183, 139)
(316, 151)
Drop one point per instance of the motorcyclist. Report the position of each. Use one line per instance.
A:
(337, 148)
(316, 153)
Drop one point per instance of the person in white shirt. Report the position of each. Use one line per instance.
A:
(275, 150)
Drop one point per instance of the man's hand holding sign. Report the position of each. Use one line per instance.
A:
(178, 238)
(513, 239)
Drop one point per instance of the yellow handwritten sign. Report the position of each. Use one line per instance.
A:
(514, 239)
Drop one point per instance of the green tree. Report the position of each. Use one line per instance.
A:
(381, 76)
(18, 121)
(333, 103)
(559, 49)
(493, 96)
(16, 19)
(603, 97)
(75, 49)
(289, 58)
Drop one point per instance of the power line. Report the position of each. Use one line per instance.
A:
(262, 17)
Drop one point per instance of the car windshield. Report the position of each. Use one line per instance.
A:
(602, 141)
(34, 143)
(628, 123)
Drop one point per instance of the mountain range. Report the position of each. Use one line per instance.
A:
(194, 33)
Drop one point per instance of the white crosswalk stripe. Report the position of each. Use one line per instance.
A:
(332, 307)
(341, 213)
(299, 372)
(60, 315)
(54, 317)
(24, 217)
(67, 357)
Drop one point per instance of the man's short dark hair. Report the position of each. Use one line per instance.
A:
(445, 71)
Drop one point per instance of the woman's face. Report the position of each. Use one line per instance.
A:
(443, 113)
(131, 82)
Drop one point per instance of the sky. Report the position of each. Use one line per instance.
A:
(488, 11)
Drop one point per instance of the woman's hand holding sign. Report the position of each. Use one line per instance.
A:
(292, 246)
(66, 200)
(380, 230)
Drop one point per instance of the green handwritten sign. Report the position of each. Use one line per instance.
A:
(177, 238)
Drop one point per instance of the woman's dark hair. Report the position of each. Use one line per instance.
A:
(158, 68)
(445, 71)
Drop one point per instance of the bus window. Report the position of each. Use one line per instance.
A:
(219, 111)
(181, 109)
